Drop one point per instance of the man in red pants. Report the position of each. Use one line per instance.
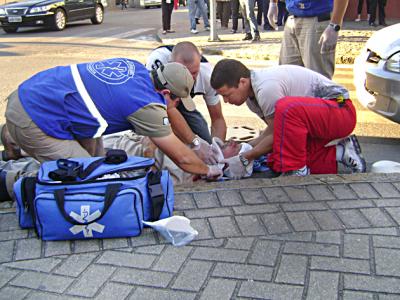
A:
(304, 112)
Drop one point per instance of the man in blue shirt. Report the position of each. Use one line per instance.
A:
(62, 112)
(310, 33)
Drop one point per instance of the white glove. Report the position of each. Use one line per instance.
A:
(205, 152)
(273, 14)
(214, 172)
(328, 40)
(236, 169)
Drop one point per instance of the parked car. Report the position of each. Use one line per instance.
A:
(54, 14)
(150, 3)
(377, 73)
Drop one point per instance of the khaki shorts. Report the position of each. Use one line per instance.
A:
(33, 140)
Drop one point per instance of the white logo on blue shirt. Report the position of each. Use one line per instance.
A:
(112, 71)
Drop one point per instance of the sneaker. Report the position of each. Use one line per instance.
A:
(194, 31)
(304, 171)
(352, 157)
(357, 20)
(233, 31)
(207, 28)
(164, 32)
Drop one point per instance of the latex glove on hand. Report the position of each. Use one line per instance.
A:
(273, 14)
(214, 172)
(328, 40)
(204, 151)
(236, 168)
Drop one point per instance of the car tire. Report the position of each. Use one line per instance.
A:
(147, 7)
(59, 20)
(158, 6)
(10, 29)
(98, 15)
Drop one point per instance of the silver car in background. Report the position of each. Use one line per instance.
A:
(377, 73)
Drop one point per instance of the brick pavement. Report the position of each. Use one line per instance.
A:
(329, 237)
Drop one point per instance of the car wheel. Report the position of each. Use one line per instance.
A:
(10, 29)
(158, 6)
(59, 20)
(99, 15)
(147, 7)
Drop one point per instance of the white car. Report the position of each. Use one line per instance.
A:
(377, 73)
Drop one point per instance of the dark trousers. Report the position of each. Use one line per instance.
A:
(166, 13)
(235, 14)
(360, 6)
(283, 14)
(196, 122)
(224, 12)
(381, 6)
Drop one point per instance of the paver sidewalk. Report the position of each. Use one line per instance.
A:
(331, 237)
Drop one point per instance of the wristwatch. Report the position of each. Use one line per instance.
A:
(244, 160)
(195, 142)
(335, 27)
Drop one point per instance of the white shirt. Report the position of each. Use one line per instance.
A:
(271, 84)
(202, 86)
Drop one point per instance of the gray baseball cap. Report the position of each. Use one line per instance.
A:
(177, 78)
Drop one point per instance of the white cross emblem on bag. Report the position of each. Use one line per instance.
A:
(86, 217)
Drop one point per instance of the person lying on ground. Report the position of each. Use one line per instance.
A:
(303, 111)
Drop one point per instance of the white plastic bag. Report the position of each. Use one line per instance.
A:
(175, 229)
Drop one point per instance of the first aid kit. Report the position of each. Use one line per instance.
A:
(97, 197)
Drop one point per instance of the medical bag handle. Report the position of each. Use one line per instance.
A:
(113, 156)
(156, 193)
(109, 197)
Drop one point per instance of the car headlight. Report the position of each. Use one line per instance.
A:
(40, 9)
(393, 63)
(2, 12)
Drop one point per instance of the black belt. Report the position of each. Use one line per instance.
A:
(321, 18)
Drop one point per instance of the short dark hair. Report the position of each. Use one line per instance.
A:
(228, 72)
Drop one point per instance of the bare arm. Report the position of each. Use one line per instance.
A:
(218, 124)
(180, 126)
(180, 154)
(339, 9)
(262, 144)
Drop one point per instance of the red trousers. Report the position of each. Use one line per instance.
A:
(302, 128)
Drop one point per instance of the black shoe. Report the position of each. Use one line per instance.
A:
(233, 30)
(383, 24)
(256, 37)
(372, 24)
(197, 21)
(247, 37)
(4, 195)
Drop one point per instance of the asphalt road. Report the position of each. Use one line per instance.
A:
(133, 33)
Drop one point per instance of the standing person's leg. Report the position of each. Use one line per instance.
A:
(251, 17)
(359, 10)
(235, 15)
(170, 10)
(219, 10)
(302, 128)
(201, 5)
(164, 15)
(368, 9)
(373, 4)
(281, 13)
(226, 13)
(381, 7)
(192, 12)
(290, 53)
(310, 48)
(260, 9)
(244, 8)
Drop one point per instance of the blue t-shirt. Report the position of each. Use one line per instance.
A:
(309, 8)
(88, 100)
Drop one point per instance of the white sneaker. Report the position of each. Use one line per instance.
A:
(304, 171)
(352, 157)
(357, 20)
(194, 31)
(207, 28)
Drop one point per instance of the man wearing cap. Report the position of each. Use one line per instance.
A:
(188, 123)
(62, 112)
